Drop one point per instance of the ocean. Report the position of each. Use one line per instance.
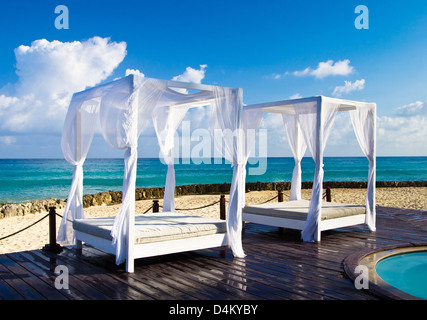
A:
(24, 180)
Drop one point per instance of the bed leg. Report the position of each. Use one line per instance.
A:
(79, 245)
(130, 266)
(317, 235)
(223, 251)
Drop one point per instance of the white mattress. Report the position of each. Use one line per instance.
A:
(298, 210)
(155, 227)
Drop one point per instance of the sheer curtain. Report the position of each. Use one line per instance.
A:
(77, 135)
(298, 147)
(124, 107)
(364, 124)
(315, 120)
(166, 121)
(122, 110)
(228, 131)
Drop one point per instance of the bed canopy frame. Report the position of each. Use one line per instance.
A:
(308, 122)
(124, 107)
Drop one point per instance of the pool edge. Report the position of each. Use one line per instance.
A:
(369, 258)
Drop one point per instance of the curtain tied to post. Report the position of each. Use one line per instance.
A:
(120, 226)
(73, 208)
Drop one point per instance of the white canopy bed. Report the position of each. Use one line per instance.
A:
(124, 107)
(308, 122)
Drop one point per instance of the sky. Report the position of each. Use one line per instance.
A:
(273, 50)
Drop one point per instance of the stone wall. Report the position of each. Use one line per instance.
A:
(115, 197)
(21, 209)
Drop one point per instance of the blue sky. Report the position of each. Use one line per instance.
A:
(274, 50)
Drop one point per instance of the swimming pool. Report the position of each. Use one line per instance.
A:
(392, 273)
(406, 272)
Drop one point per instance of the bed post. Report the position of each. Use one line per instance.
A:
(130, 234)
(78, 200)
(319, 163)
(297, 152)
(374, 173)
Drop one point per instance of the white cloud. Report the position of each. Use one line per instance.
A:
(295, 96)
(6, 101)
(325, 69)
(403, 132)
(192, 75)
(348, 87)
(412, 109)
(7, 140)
(49, 73)
(134, 71)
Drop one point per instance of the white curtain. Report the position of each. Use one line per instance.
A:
(122, 109)
(171, 108)
(228, 131)
(77, 135)
(315, 120)
(166, 121)
(364, 123)
(119, 123)
(298, 147)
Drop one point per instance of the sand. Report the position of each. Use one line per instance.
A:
(37, 236)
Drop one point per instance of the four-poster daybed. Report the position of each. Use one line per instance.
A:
(308, 123)
(124, 107)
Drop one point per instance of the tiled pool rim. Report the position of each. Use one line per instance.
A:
(370, 258)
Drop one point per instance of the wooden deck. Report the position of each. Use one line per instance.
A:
(278, 266)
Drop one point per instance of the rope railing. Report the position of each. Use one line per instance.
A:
(52, 246)
(27, 227)
(197, 208)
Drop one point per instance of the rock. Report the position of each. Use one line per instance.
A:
(115, 197)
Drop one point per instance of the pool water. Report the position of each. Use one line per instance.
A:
(406, 272)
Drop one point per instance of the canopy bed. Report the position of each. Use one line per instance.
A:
(123, 108)
(308, 122)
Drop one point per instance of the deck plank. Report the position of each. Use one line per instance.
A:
(19, 279)
(278, 266)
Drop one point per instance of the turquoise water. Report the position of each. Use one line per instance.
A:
(406, 272)
(31, 179)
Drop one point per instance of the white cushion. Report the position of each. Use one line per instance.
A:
(155, 227)
(298, 210)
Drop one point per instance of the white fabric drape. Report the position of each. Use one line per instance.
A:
(76, 138)
(171, 108)
(166, 121)
(225, 125)
(124, 107)
(315, 120)
(123, 116)
(363, 120)
(119, 123)
(228, 132)
(298, 147)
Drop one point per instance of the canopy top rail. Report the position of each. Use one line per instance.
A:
(287, 106)
(168, 83)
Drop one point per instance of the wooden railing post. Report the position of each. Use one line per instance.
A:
(52, 246)
(155, 205)
(280, 199)
(280, 195)
(328, 194)
(222, 214)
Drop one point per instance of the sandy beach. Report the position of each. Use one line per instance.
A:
(37, 236)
